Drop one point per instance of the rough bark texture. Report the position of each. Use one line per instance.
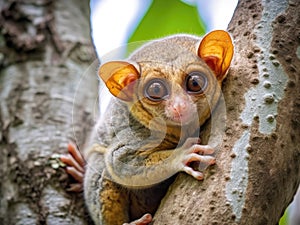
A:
(257, 171)
(45, 53)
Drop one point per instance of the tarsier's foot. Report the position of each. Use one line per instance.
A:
(192, 151)
(75, 166)
(144, 220)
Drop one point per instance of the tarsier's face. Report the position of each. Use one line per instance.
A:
(179, 96)
(174, 79)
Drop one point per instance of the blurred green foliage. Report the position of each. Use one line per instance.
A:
(284, 220)
(166, 17)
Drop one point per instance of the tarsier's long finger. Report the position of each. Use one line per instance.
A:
(76, 154)
(71, 161)
(77, 175)
(144, 220)
(75, 187)
(196, 174)
(193, 157)
(202, 149)
(209, 160)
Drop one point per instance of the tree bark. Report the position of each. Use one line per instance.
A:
(48, 90)
(258, 159)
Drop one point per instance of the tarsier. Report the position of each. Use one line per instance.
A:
(162, 93)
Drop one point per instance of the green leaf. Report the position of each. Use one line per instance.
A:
(166, 17)
(283, 220)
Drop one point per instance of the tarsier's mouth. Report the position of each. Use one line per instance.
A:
(181, 119)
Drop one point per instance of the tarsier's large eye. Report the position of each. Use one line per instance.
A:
(156, 90)
(196, 82)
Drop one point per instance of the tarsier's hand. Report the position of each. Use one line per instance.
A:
(75, 166)
(192, 151)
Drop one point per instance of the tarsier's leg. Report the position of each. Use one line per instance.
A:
(107, 201)
(113, 206)
(114, 203)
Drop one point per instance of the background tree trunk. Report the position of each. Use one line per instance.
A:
(257, 171)
(47, 99)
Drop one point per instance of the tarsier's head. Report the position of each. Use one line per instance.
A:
(176, 79)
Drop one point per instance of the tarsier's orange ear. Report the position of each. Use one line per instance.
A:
(119, 77)
(216, 49)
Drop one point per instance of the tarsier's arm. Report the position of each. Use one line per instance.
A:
(145, 171)
(157, 167)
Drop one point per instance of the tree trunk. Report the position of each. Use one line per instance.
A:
(257, 171)
(48, 90)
